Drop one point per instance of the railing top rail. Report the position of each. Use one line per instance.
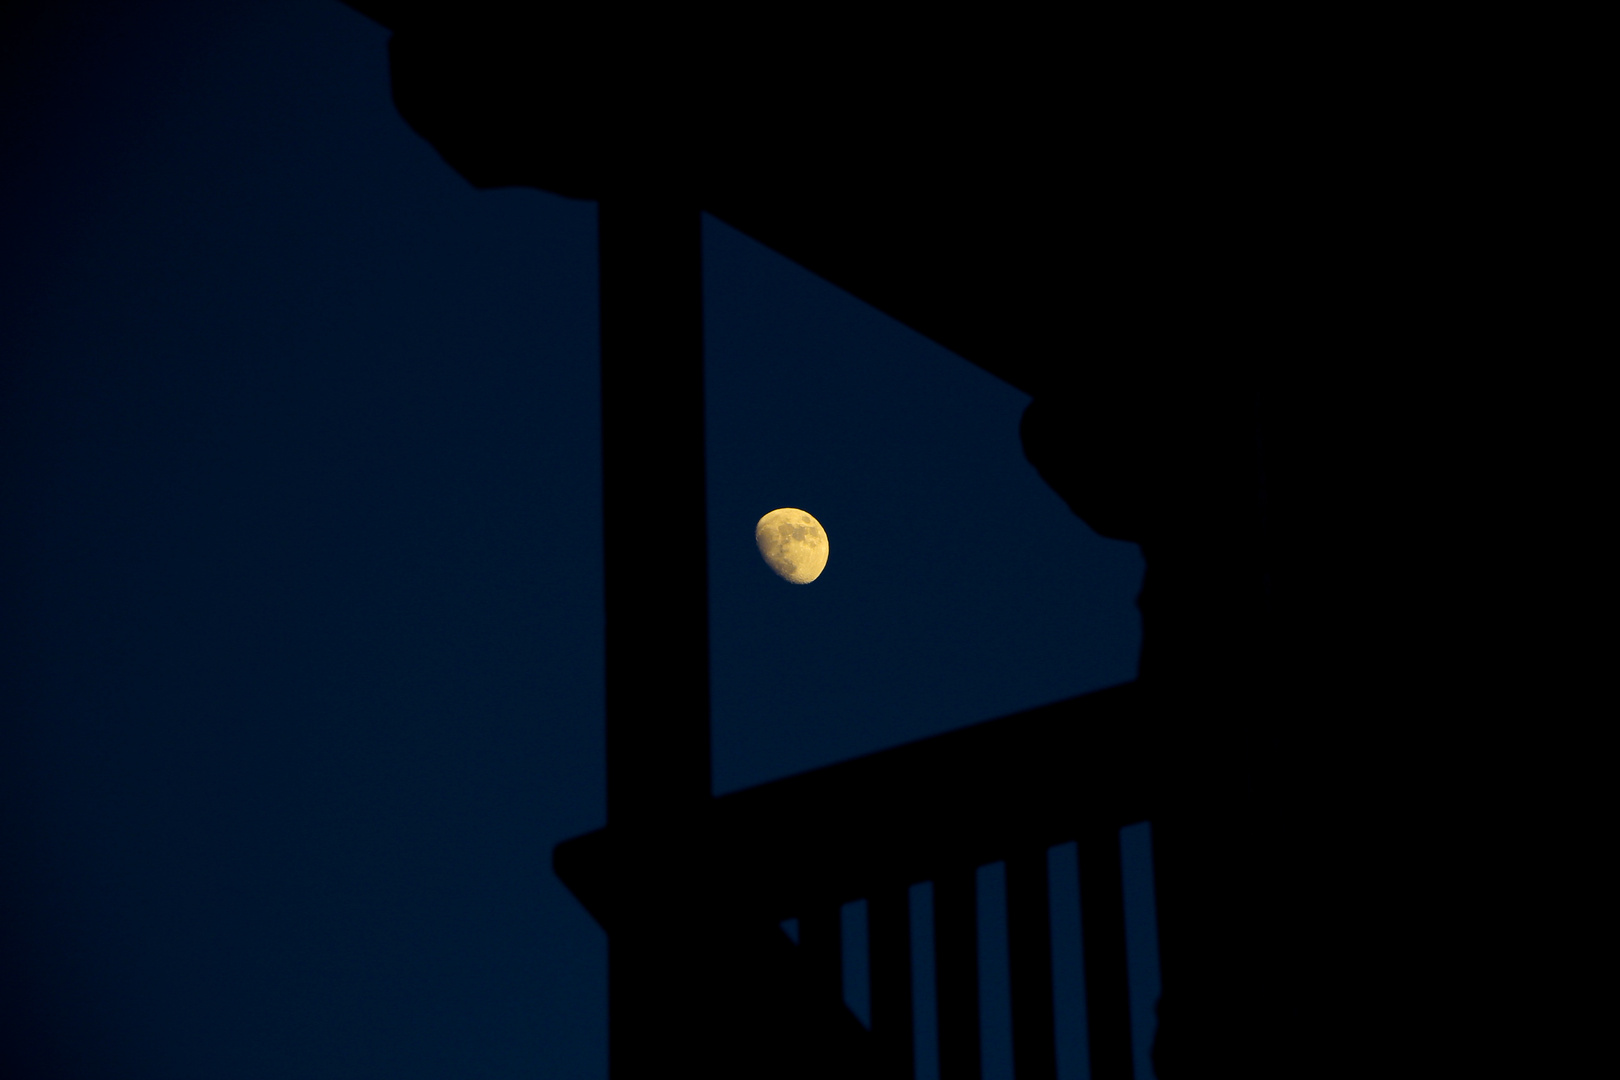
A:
(834, 834)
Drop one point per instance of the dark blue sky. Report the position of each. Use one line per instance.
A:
(302, 572)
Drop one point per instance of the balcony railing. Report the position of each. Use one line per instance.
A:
(1005, 790)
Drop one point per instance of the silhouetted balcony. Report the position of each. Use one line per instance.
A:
(1005, 790)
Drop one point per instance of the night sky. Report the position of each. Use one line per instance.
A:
(302, 568)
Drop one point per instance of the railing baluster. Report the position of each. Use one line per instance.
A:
(1102, 942)
(821, 939)
(1029, 932)
(888, 913)
(956, 966)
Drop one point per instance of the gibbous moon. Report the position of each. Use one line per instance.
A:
(793, 544)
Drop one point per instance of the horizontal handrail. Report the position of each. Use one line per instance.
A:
(832, 835)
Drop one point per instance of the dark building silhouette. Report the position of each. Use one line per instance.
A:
(1125, 222)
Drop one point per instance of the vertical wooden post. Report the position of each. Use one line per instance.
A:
(956, 969)
(1102, 945)
(656, 595)
(1029, 946)
(821, 941)
(654, 521)
(889, 922)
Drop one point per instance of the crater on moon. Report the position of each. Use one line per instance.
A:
(793, 544)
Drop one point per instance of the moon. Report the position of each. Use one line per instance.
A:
(793, 544)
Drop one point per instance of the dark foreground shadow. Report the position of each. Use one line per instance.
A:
(1142, 239)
